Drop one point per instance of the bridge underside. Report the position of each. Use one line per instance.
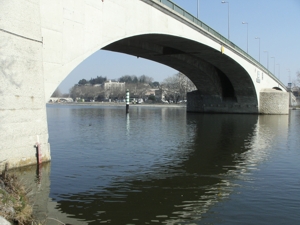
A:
(223, 85)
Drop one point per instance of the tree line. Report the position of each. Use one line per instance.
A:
(173, 88)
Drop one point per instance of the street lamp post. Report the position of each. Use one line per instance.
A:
(267, 59)
(247, 33)
(197, 9)
(290, 83)
(228, 18)
(258, 48)
(274, 64)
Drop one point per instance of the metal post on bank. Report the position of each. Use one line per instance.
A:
(127, 101)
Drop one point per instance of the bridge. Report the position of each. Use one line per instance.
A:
(42, 41)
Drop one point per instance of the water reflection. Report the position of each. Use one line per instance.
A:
(128, 125)
(200, 159)
(269, 132)
(173, 191)
(37, 182)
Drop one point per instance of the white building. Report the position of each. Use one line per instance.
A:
(114, 85)
(113, 88)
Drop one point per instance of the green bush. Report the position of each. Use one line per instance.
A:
(152, 98)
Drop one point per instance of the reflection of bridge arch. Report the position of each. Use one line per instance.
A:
(210, 173)
(177, 190)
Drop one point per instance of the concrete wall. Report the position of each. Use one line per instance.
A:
(22, 105)
(274, 102)
(214, 104)
(271, 102)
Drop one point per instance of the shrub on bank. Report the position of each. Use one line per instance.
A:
(14, 201)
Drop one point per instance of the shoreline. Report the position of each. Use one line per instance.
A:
(173, 105)
(15, 207)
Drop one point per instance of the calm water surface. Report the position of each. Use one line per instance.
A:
(165, 166)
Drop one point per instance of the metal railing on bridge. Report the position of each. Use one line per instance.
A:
(216, 34)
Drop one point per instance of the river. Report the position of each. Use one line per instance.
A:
(161, 165)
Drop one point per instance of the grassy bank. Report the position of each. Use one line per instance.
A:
(14, 201)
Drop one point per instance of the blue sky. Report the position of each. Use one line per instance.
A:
(275, 22)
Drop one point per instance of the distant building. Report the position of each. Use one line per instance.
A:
(113, 88)
(159, 94)
(151, 92)
(114, 85)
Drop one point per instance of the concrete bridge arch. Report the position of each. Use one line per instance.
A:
(217, 77)
(42, 41)
(162, 42)
(226, 80)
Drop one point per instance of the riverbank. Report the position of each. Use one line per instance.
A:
(14, 201)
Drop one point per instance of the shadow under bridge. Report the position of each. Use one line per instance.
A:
(220, 81)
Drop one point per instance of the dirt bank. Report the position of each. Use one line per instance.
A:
(14, 201)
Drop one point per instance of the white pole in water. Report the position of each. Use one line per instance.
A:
(127, 101)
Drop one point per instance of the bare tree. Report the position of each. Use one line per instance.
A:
(87, 92)
(176, 87)
(93, 92)
(298, 78)
(138, 86)
(142, 89)
(77, 91)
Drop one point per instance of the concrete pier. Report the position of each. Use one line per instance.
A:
(271, 101)
(22, 106)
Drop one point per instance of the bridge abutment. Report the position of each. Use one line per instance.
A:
(271, 102)
(274, 102)
(22, 106)
(215, 104)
